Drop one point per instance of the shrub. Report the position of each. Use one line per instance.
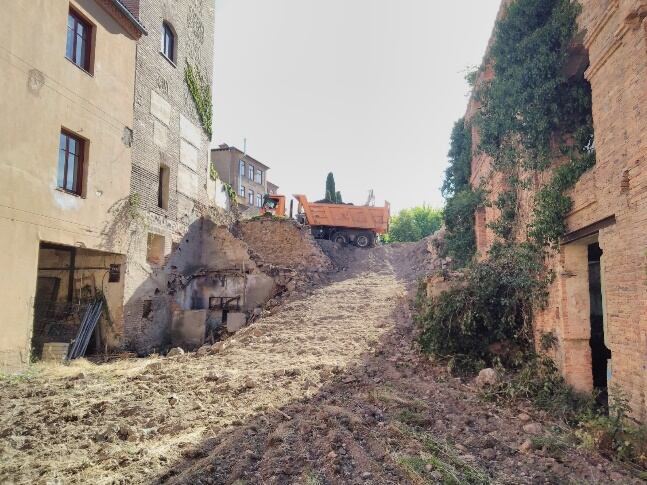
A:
(492, 303)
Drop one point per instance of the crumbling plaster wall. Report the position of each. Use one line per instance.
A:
(43, 92)
(209, 262)
(616, 40)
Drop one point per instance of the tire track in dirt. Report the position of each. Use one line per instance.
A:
(128, 420)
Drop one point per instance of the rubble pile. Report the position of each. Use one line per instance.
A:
(283, 243)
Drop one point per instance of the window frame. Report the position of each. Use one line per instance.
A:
(79, 169)
(259, 200)
(169, 31)
(163, 187)
(250, 197)
(250, 168)
(80, 19)
(258, 173)
(241, 191)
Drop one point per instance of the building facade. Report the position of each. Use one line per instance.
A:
(64, 167)
(246, 175)
(170, 185)
(601, 264)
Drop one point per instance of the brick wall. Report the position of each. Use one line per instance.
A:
(167, 132)
(616, 39)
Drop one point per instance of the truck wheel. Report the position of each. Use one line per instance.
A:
(339, 238)
(364, 240)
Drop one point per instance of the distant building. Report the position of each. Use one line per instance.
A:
(246, 175)
(272, 189)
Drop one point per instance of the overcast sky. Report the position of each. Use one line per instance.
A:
(367, 89)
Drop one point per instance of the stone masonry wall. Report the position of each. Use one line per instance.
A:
(284, 243)
(167, 132)
(616, 39)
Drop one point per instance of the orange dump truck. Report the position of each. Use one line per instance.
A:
(344, 223)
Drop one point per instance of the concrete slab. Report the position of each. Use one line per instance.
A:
(188, 328)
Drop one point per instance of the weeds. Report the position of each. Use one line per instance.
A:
(439, 458)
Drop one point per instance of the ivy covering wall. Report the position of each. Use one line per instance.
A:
(533, 118)
(200, 90)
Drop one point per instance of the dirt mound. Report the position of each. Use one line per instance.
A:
(329, 389)
(284, 243)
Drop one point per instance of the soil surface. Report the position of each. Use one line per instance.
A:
(326, 389)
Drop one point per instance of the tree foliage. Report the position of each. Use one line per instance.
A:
(414, 224)
(461, 200)
(333, 196)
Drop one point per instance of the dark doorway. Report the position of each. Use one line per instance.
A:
(599, 351)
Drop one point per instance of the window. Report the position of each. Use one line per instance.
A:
(70, 163)
(259, 177)
(155, 249)
(79, 38)
(250, 172)
(251, 198)
(259, 200)
(241, 191)
(162, 189)
(168, 42)
(241, 170)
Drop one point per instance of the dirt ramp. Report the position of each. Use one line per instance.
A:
(283, 243)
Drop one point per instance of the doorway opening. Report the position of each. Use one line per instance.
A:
(69, 280)
(600, 353)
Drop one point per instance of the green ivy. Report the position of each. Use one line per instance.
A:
(493, 303)
(200, 90)
(231, 193)
(213, 173)
(552, 204)
(531, 116)
(461, 200)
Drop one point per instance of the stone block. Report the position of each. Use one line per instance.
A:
(235, 321)
(188, 328)
(188, 155)
(190, 132)
(187, 182)
(160, 135)
(160, 108)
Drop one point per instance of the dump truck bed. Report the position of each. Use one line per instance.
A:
(375, 219)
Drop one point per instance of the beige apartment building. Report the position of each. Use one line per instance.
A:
(246, 175)
(67, 72)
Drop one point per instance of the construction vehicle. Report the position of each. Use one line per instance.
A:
(344, 223)
(273, 205)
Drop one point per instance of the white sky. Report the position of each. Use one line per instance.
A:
(367, 89)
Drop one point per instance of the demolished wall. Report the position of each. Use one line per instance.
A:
(212, 275)
(283, 243)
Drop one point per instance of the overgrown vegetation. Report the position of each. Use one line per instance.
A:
(461, 200)
(492, 304)
(200, 89)
(439, 460)
(532, 118)
(414, 224)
